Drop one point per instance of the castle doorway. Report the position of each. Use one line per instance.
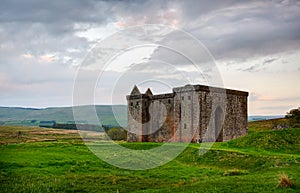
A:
(219, 116)
(145, 138)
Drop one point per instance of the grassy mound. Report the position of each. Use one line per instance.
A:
(266, 125)
(284, 141)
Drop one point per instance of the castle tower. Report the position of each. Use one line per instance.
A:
(138, 115)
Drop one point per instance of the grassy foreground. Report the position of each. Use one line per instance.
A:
(44, 160)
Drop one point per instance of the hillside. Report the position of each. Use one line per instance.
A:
(31, 116)
(263, 137)
(285, 141)
(33, 159)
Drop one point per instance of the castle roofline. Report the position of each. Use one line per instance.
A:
(135, 94)
(158, 96)
(198, 87)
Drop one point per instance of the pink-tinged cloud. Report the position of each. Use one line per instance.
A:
(47, 58)
(27, 56)
(120, 24)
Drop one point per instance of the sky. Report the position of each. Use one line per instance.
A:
(48, 49)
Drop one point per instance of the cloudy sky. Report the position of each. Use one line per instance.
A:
(254, 46)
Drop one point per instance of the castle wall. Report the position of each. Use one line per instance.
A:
(190, 113)
(205, 101)
(186, 113)
(236, 119)
(150, 118)
(161, 121)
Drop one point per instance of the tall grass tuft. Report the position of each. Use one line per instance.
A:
(285, 181)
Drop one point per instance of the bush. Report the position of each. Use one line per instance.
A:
(285, 182)
(294, 117)
(117, 133)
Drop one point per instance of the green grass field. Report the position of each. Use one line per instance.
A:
(43, 160)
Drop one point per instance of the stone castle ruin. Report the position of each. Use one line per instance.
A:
(193, 113)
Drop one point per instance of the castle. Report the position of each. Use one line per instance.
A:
(193, 113)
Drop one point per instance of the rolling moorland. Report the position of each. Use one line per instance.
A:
(32, 116)
(37, 159)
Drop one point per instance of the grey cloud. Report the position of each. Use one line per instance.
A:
(253, 29)
(49, 27)
(230, 29)
(236, 30)
(250, 69)
(258, 67)
(267, 61)
(54, 11)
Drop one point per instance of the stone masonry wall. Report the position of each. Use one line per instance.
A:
(191, 113)
(186, 114)
(161, 125)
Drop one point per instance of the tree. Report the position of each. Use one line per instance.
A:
(117, 133)
(294, 117)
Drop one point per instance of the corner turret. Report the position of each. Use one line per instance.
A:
(148, 92)
(135, 91)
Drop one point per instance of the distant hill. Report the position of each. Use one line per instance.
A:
(259, 118)
(32, 116)
(106, 113)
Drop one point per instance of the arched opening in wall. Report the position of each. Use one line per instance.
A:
(218, 124)
(145, 138)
